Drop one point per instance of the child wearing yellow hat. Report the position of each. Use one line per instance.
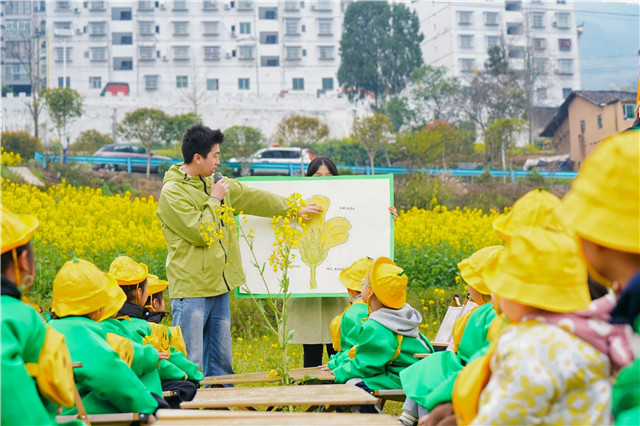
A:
(389, 337)
(429, 382)
(176, 372)
(345, 328)
(26, 342)
(106, 383)
(603, 207)
(537, 371)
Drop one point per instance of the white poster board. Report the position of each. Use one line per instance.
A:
(358, 205)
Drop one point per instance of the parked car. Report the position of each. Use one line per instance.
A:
(276, 155)
(128, 151)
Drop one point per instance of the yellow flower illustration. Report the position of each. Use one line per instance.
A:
(318, 236)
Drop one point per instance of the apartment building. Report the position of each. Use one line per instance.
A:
(263, 47)
(459, 34)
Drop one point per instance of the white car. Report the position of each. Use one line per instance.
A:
(277, 155)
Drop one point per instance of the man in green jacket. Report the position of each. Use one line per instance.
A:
(201, 276)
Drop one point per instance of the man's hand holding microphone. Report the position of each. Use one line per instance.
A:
(220, 187)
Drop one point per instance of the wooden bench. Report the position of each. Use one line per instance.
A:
(313, 374)
(389, 395)
(108, 419)
(207, 417)
(248, 398)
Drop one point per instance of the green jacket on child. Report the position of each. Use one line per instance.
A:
(386, 345)
(347, 329)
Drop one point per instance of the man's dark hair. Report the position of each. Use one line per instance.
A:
(199, 139)
(318, 162)
(7, 258)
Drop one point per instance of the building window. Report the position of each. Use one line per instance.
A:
(17, 8)
(61, 82)
(292, 52)
(211, 53)
(212, 84)
(147, 53)
(583, 126)
(269, 61)
(467, 64)
(122, 64)
(65, 25)
(209, 5)
(565, 66)
(327, 83)
(292, 27)
(491, 18)
(151, 82)
(298, 84)
(465, 41)
(269, 13)
(513, 5)
(145, 28)
(245, 4)
(180, 28)
(97, 28)
(182, 81)
(96, 5)
(121, 13)
(566, 91)
(145, 5)
(541, 93)
(122, 38)
(95, 82)
(537, 19)
(63, 5)
(60, 54)
(245, 27)
(562, 20)
(628, 112)
(245, 52)
(492, 41)
(539, 44)
(464, 17)
(564, 44)
(98, 53)
(324, 5)
(540, 65)
(326, 52)
(599, 121)
(181, 53)
(210, 28)
(17, 29)
(243, 84)
(268, 38)
(325, 27)
(291, 5)
(179, 4)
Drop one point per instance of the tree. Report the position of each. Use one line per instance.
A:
(146, 126)
(397, 109)
(176, 125)
(420, 148)
(241, 142)
(300, 130)
(379, 48)
(500, 137)
(435, 95)
(63, 104)
(89, 142)
(196, 91)
(373, 133)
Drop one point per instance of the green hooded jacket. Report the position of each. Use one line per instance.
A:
(429, 382)
(193, 268)
(350, 327)
(105, 383)
(626, 392)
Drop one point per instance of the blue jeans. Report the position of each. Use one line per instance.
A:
(206, 327)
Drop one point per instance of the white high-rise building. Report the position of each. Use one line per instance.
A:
(261, 47)
(457, 35)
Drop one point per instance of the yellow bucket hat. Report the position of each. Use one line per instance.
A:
(17, 229)
(603, 205)
(535, 208)
(352, 276)
(472, 268)
(541, 268)
(127, 271)
(116, 299)
(155, 284)
(389, 283)
(80, 288)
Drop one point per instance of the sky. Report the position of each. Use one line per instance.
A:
(610, 44)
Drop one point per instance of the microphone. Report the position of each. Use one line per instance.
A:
(216, 178)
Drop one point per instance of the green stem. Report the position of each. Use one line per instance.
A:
(313, 277)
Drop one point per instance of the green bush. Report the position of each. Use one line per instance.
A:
(89, 141)
(21, 142)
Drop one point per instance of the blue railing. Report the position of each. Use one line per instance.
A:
(294, 169)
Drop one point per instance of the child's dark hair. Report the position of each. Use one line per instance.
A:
(199, 139)
(7, 258)
(318, 162)
(130, 290)
(155, 296)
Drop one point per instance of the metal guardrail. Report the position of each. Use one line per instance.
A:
(294, 169)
